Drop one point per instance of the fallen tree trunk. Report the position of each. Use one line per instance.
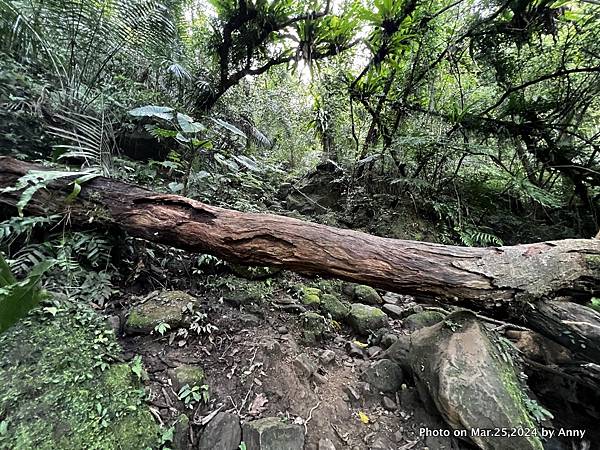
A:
(409, 267)
(492, 275)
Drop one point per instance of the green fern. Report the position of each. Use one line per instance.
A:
(17, 298)
(34, 180)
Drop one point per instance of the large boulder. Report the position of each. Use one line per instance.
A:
(222, 433)
(365, 319)
(459, 367)
(159, 307)
(271, 433)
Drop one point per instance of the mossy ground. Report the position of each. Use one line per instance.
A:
(61, 390)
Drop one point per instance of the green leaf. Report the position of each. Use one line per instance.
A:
(34, 180)
(18, 298)
(229, 127)
(175, 187)
(188, 125)
(162, 112)
(6, 276)
(136, 367)
(76, 190)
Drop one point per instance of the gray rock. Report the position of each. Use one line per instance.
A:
(315, 327)
(395, 312)
(241, 297)
(326, 444)
(384, 375)
(271, 433)
(304, 366)
(221, 433)
(158, 307)
(354, 350)
(381, 444)
(353, 394)
(389, 404)
(374, 351)
(388, 339)
(423, 319)
(458, 365)
(392, 298)
(366, 295)
(285, 300)
(365, 318)
(327, 357)
(282, 330)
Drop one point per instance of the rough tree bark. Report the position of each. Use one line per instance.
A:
(481, 276)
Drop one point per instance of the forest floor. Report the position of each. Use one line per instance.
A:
(259, 362)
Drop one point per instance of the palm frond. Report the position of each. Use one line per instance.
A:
(87, 138)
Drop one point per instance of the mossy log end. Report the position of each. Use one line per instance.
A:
(454, 274)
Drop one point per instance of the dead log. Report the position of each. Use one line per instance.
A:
(480, 276)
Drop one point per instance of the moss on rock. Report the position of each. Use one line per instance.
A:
(333, 306)
(311, 296)
(186, 374)
(366, 295)
(315, 327)
(161, 307)
(55, 393)
(471, 381)
(365, 319)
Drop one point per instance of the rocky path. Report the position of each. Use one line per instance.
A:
(279, 371)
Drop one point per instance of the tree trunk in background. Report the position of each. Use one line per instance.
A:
(482, 277)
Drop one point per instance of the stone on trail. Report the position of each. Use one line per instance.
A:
(315, 327)
(458, 365)
(159, 307)
(384, 375)
(395, 312)
(304, 366)
(366, 295)
(223, 432)
(271, 433)
(327, 357)
(311, 296)
(186, 374)
(365, 318)
(337, 309)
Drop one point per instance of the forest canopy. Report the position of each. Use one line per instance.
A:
(459, 99)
